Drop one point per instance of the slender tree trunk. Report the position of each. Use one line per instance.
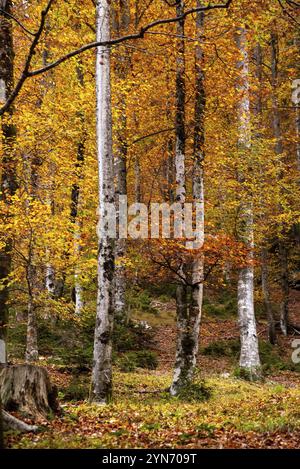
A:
(183, 348)
(249, 357)
(121, 26)
(168, 166)
(297, 123)
(266, 296)
(264, 252)
(51, 284)
(282, 251)
(31, 353)
(198, 184)
(1, 426)
(296, 102)
(8, 174)
(284, 306)
(75, 204)
(102, 365)
(189, 309)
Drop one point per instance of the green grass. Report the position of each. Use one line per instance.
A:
(142, 414)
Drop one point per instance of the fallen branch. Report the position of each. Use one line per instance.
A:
(12, 423)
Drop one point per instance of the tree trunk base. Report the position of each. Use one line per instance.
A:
(27, 389)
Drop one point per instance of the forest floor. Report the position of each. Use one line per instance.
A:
(238, 414)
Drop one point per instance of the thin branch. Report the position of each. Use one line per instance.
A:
(151, 135)
(285, 11)
(139, 35)
(12, 17)
(25, 73)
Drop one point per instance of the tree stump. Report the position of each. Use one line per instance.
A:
(27, 389)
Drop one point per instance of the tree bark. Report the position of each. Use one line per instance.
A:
(197, 270)
(182, 373)
(297, 105)
(282, 251)
(31, 353)
(12, 423)
(27, 389)
(249, 356)
(258, 55)
(266, 296)
(8, 181)
(189, 310)
(75, 204)
(168, 164)
(121, 25)
(101, 390)
(1, 426)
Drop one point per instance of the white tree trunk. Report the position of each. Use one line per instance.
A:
(296, 102)
(189, 313)
(78, 290)
(249, 357)
(122, 66)
(31, 353)
(102, 363)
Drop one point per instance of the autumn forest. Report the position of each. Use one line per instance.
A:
(149, 224)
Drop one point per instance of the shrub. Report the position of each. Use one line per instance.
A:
(140, 359)
(146, 359)
(132, 336)
(198, 391)
(77, 390)
(127, 363)
(222, 348)
(139, 300)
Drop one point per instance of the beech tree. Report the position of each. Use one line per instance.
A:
(102, 363)
(189, 311)
(121, 26)
(249, 357)
(8, 175)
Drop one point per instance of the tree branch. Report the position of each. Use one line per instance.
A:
(12, 17)
(26, 73)
(139, 35)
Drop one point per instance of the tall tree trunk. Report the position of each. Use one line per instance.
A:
(249, 357)
(168, 165)
(75, 204)
(183, 352)
(266, 296)
(189, 310)
(258, 55)
(8, 177)
(102, 364)
(137, 181)
(31, 353)
(296, 102)
(121, 26)
(1, 426)
(51, 284)
(198, 184)
(282, 250)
